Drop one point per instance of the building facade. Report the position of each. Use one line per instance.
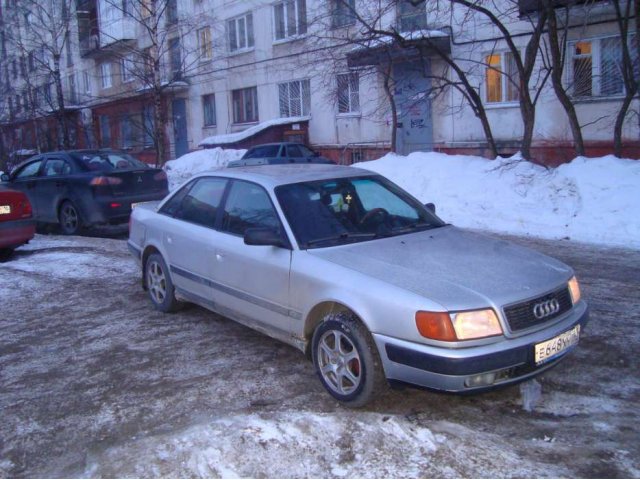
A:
(353, 78)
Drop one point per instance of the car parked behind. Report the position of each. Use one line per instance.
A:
(360, 276)
(83, 188)
(17, 226)
(278, 153)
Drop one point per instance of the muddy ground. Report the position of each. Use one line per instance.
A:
(95, 383)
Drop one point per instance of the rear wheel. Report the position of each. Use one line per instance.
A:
(5, 254)
(346, 360)
(69, 219)
(159, 285)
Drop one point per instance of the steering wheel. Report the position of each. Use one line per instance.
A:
(373, 213)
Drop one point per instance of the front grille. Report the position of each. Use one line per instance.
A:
(520, 316)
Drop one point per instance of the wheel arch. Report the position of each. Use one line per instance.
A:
(321, 311)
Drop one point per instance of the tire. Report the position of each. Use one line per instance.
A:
(159, 285)
(69, 219)
(347, 360)
(5, 254)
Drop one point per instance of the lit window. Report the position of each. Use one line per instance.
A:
(501, 77)
(204, 43)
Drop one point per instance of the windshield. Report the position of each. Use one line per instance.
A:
(108, 161)
(346, 210)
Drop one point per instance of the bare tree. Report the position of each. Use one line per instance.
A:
(40, 30)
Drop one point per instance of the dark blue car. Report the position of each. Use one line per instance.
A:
(83, 188)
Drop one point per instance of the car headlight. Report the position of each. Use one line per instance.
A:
(451, 327)
(574, 289)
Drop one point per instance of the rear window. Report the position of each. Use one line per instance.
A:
(108, 161)
(263, 151)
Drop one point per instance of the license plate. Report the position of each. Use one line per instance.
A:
(5, 209)
(545, 351)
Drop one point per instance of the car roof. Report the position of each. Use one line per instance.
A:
(275, 144)
(274, 175)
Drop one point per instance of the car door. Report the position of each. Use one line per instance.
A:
(52, 186)
(189, 237)
(253, 281)
(25, 179)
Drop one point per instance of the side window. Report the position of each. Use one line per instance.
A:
(248, 206)
(30, 170)
(200, 205)
(172, 206)
(56, 167)
(294, 151)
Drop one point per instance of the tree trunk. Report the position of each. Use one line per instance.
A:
(60, 113)
(556, 79)
(392, 104)
(617, 129)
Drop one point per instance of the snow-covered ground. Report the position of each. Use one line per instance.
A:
(591, 200)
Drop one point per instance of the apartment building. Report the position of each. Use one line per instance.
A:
(177, 75)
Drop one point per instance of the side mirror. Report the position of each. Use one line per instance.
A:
(431, 207)
(4, 177)
(263, 237)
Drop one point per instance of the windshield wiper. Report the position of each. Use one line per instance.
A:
(413, 227)
(341, 236)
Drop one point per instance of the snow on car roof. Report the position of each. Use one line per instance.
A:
(274, 175)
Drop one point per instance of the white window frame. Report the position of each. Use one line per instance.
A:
(300, 24)
(352, 109)
(205, 47)
(504, 79)
(86, 77)
(596, 66)
(127, 65)
(304, 101)
(249, 38)
(106, 75)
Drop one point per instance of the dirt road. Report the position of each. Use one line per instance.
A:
(95, 383)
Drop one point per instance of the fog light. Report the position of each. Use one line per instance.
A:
(481, 380)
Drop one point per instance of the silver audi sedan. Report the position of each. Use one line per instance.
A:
(366, 281)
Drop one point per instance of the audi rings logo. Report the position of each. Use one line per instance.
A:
(544, 309)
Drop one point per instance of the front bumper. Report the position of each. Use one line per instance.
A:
(512, 360)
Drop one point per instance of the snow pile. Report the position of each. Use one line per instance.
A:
(188, 165)
(249, 132)
(590, 199)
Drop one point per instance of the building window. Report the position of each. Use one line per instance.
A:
(148, 114)
(172, 11)
(209, 109)
(87, 82)
(295, 98)
(175, 59)
(73, 91)
(596, 66)
(290, 19)
(105, 71)
(245, 105)
(343, 12)
(204, 43)
(105, 131)
(128, 68)
(240, 32)
(348, 93)
(501, 78)
(129, 131)
(412, 15)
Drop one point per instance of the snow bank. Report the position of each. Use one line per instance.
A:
(590, 199)
(188, 165)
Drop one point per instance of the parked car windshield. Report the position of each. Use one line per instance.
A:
(263, 151)
(346, 210)
(107, 161)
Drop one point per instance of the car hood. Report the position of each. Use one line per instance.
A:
(455, 268)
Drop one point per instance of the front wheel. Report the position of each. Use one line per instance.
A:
(346, 360)
(159, 284)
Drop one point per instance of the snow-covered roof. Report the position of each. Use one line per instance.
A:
(249, 132)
